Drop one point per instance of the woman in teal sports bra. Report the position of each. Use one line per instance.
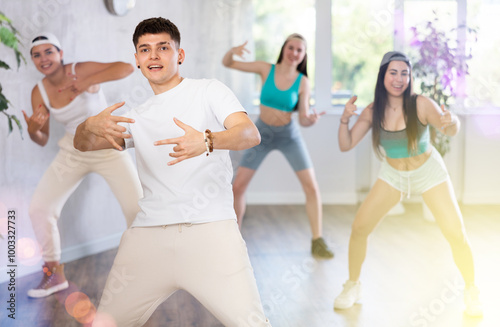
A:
(285, 89)
(399, 122)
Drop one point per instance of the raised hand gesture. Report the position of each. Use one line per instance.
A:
(240, 50)
(447, 119)
(314, 116)
(37, 120)
(349, 109)
(190, 145)
(78, 85)
(106, 125)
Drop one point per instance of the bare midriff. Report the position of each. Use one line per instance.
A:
(410, 163)
(274, 117)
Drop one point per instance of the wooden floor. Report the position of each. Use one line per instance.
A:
(409, 278)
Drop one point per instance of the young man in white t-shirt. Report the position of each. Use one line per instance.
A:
(186, 235)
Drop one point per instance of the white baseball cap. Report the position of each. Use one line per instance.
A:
(45, 38)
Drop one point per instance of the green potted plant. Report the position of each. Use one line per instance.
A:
(8, 37)
(437, 66)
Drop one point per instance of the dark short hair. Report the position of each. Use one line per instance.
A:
(157, 25)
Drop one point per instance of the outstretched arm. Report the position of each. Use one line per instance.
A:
(259, 67)
(240, 134)
(90, 73)
(102, 131)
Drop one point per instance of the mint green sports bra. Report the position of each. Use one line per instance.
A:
(273, 97)
(395, 143)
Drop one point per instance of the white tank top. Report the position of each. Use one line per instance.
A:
(74, 113)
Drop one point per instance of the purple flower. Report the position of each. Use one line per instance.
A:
(438, 62)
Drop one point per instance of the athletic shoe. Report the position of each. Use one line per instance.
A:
(350, 295)
(320, 249)
(52, 281)
(473, 306)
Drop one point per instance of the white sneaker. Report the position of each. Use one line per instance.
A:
(350, 295)
(473, 305)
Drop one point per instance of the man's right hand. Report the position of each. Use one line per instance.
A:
(105, 125)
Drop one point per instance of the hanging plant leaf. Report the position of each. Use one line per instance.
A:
(19, 56)
(3, 18)
(4, 103)
(10, 126)
(19, 126)
(4, 65)
(8, 38)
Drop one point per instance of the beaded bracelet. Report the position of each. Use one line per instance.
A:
(342, 122)
(209, 141)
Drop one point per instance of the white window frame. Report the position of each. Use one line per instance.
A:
(323, 76)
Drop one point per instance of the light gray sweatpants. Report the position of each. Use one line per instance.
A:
(64, 175)
(210, 261)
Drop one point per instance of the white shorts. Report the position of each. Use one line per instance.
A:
(432, 173)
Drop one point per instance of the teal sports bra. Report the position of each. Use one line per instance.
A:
(395, 144)
(273, 97)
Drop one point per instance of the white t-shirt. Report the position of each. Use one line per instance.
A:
(196, 190)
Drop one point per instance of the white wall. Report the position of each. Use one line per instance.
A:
(91, 220)
(481, 165)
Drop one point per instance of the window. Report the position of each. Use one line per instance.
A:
(274, 21)
(483, 81)
(362, 31)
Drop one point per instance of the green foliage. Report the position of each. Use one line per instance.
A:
(360, 38)
(8, 37)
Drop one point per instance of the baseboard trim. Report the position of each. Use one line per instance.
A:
(476, 198)
(299, 198)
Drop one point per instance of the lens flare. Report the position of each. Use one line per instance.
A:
(28, 251)
(61, 296)
(104, 320)
(3, 210)
(3, 227)
(488, 125)
(78, 306)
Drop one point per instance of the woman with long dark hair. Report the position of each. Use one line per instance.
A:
(285, 89)
(399, 120)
